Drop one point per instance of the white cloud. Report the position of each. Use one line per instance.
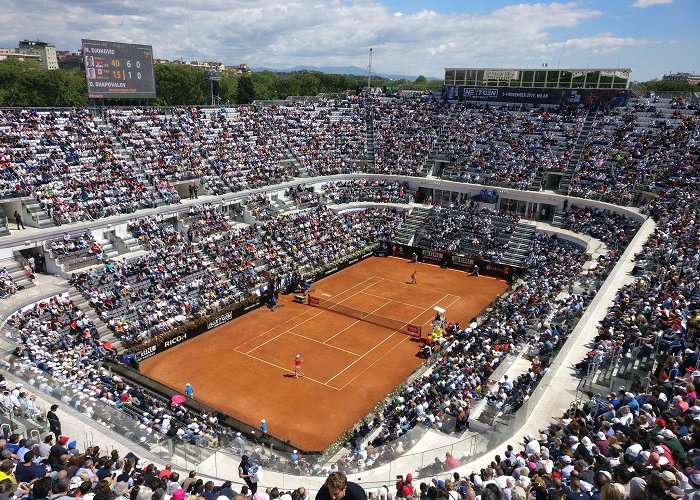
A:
(284, 34)
(643, 4)
(603, 43)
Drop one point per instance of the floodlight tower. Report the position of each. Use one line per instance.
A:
(212, 76)
(369, 72)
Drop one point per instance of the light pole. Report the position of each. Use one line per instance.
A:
(212, 76)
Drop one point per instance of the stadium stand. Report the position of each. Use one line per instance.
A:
(508, 147)
(326, 136)
(639, 441)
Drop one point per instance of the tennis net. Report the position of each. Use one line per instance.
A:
(375, 319)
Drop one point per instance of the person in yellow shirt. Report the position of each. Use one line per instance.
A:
(6, 471)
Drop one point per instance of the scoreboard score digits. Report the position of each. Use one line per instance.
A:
(118, 70)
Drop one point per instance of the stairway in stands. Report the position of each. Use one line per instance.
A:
(412, 223)
(519, 244)
(576, 152)
(15, 269)
(439, 142)
(289, 157)
(4, 223)
(559, 218)
(130, 156)
(369, 122)
(106, 335)
(38, 215)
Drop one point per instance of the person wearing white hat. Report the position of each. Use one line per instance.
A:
(189, 391)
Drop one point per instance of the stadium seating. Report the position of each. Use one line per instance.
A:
(79, 167)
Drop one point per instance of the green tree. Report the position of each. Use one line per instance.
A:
(74, 89)
(178, 84)
(265, 84)
(670, 86)
(421, 80)
(245, 93)
(227, 88)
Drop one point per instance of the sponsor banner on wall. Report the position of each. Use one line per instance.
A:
(433, 256)
(343, 265)
(165, 344)
(456, 261)
(462, 262)
(590, 97)
(503, 74)
(480, 94)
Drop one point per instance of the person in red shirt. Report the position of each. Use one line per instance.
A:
(297, 366)
(450, 461)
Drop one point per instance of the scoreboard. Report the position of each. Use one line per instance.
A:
(118, 70)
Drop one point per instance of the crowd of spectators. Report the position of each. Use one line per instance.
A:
(157, 291)
(228, 148)
(628, 444)
(373, 190)
(327, 136)
(406, 130)
(298, 242)
(205, 219)
(59, 351)
(467, 229)
(55, 336)
(69, 164)
(8, 286)
(73, 250)
(614, 229)
(507, 146)
(635, 149)
(244, 149)
(55, 467)
(161, 140)
(33, 469)
(172, 283)
(260, 207)
(641, 441)
(302, 196)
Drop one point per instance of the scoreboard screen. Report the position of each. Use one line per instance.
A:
(118, 70)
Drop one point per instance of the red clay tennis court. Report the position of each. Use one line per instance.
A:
(245, 367)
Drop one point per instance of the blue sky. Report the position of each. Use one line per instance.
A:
(410, 37)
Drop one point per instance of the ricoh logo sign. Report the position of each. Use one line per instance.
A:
(175, 340)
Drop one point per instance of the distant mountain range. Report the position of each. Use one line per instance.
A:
(342, 70)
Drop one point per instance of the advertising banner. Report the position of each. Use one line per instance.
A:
(343, 265)
(456, 261)
(589, 97)
(163, 345)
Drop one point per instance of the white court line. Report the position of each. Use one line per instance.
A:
(398, 302)
(319, 342)
(288, 370)
(395, 346)
(445, 295)
(423, 288)
(293, 318)
(353, 324)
